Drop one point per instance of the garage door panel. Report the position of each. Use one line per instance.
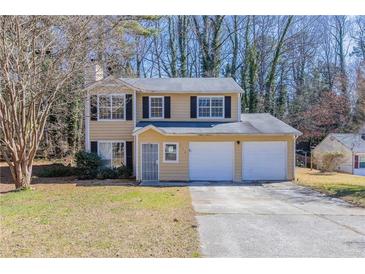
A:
(211, 160)
(264, 160)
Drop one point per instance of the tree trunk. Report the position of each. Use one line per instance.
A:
(21, 172)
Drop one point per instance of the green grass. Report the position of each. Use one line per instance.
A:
(65, 220)
(345, 186)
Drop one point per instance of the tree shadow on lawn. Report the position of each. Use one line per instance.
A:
(7, 184)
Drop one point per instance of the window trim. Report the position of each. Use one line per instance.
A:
(210, 107)
(114, 141)
(163, 107)
(111, 105)
(177, 153)
(360, 156)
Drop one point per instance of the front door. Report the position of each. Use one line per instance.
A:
(150, 162)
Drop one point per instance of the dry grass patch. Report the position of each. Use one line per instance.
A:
(65, 220)
(340, 185)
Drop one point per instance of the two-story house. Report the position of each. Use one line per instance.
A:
(185, 129)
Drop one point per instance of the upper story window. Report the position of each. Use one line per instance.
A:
(156, 105)
(211, 107)
(111, 107)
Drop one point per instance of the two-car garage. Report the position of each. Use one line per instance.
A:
(215, 161)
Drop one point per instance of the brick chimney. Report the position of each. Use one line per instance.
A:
(93, 72)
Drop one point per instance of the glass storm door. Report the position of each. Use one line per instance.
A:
(150, 162)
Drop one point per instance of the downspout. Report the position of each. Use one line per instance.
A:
(136, 145)
(134, 109)
(294, 158)
(136, 164)
(239, 107)
(87, 122)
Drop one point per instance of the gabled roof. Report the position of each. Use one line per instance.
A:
(110, 81)
(354, 142)
(251, 124)
(184, 85)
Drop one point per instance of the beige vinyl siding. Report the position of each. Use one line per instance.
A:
(180, 171)
(180, 106)
(111, 130)
(110, 89)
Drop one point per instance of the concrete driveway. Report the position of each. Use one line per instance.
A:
(276, 220)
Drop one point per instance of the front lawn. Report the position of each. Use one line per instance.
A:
(340, 185)
(67, 220)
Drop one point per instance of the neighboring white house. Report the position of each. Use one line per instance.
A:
(352, 146)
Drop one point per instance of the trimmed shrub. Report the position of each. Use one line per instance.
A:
(57, 170)
(330, 161)
(121, 172)
(124, 172)
(107, 173)
(87, 164)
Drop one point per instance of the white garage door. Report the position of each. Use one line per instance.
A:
(264, 160)
(212, 161)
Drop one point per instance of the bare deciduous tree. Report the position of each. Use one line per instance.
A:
(39, 56)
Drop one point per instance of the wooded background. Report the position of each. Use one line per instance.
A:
(306, 70)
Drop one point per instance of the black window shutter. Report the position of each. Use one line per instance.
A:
(192, 106)
(167, 106)
(129, 153)
(145, 107)
(94, 147)
(93, 107)
(129, 107)
(227, 106)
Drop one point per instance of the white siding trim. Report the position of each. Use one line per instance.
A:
(239, 107)
(134, 109)
(136, 145)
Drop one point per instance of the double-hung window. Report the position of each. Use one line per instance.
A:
(111, 107)
(156, 106)
(171, 152)
(362, 161)
(112, 153)
(211, 107)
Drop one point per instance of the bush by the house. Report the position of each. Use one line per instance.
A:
(329, 161)
(57, 170)
(107, 173)
(121, 172)
(87, 164)
(90, 166)
(124, 172)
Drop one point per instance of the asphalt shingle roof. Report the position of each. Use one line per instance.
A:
(259, 123)
(177, 85)
(352, 141)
